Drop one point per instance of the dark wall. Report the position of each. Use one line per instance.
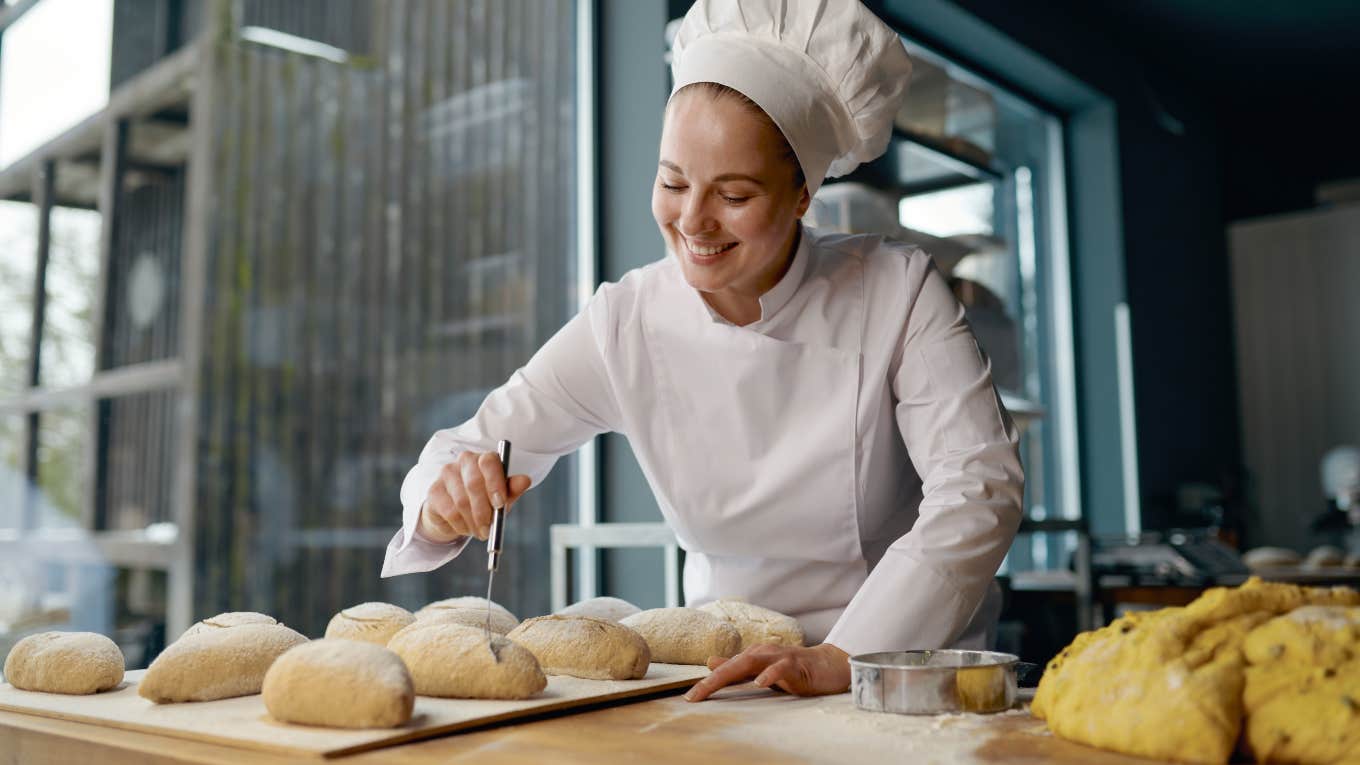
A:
(1175, 272)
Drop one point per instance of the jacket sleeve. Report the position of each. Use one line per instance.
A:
(924, 590)
(559, 400)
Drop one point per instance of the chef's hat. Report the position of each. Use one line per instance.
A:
(829, 73)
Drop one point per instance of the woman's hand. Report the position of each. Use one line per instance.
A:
(461, 499)
(814, 671)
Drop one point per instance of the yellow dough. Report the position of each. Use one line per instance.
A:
(584, 646)
(75, 663)
(1302, 695)
(1167, 684)
(370, 622)
(453, 661)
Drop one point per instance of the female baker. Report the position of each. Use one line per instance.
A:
(811, 410)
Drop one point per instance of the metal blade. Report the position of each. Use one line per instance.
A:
(490, 578)
(493, 540)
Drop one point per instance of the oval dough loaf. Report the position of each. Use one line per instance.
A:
(454, 661)
(370, 622)
(340, 684)
(76, 663)
(228, 619)
(613, 609)
(216, 663)
(469, 610)
(584, 646)
(1325, 556)
(757, 625)
(1270, 557)
(685, 635)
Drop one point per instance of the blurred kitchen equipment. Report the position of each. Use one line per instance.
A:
(1181, 557)
(935, 682)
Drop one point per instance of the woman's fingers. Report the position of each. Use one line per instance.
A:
(803, 671)
(479, 505)
(460, 502)
(493, 479)
(787, 674)
(741, 667)
(518, 484)
(439, 519)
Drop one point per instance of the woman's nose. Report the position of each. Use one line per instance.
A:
(694, 216)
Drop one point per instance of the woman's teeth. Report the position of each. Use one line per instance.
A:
(697, 250)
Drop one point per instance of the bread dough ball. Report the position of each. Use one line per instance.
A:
(757, 625)
(340, 684)
(228, 619)
(216, 663)
(584, 646)
(76, 663)
(685, 635)
(1302, 694)
(370, 622)
(468, 618)
(469, 610)
(454, 661)
(1167, 684)
(1325, 556)
(613, 609)
(1270, 557)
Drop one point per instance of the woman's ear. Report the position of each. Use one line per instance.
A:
(804, 201)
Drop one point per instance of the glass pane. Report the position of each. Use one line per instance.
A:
(139, 461)
(18, 258)
(13, 443)
(990, 215)
(395, 236)
(63, 474)
(68, 343)
(54, 72)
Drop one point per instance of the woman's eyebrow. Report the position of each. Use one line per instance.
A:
(724, 177)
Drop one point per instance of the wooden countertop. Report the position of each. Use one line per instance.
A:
(742, 725)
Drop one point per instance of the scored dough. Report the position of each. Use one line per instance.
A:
(75, 663)
(757, 625)
(216, 663)
(340, 684)
(613, 609)
(584, 646)
(370, 622)
(685, 635)
(471, 611)
(228, 619)
(454, 661)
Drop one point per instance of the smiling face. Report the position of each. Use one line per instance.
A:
(727, 199)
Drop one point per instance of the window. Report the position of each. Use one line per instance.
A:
(974, 176)
(388, 230)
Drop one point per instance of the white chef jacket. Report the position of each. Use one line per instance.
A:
(845, 459)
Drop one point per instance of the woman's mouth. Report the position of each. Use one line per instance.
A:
(707, 253)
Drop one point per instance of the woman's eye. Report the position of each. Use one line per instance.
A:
(669, 187)
(734, 200)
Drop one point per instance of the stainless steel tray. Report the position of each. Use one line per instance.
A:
(934, 682)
